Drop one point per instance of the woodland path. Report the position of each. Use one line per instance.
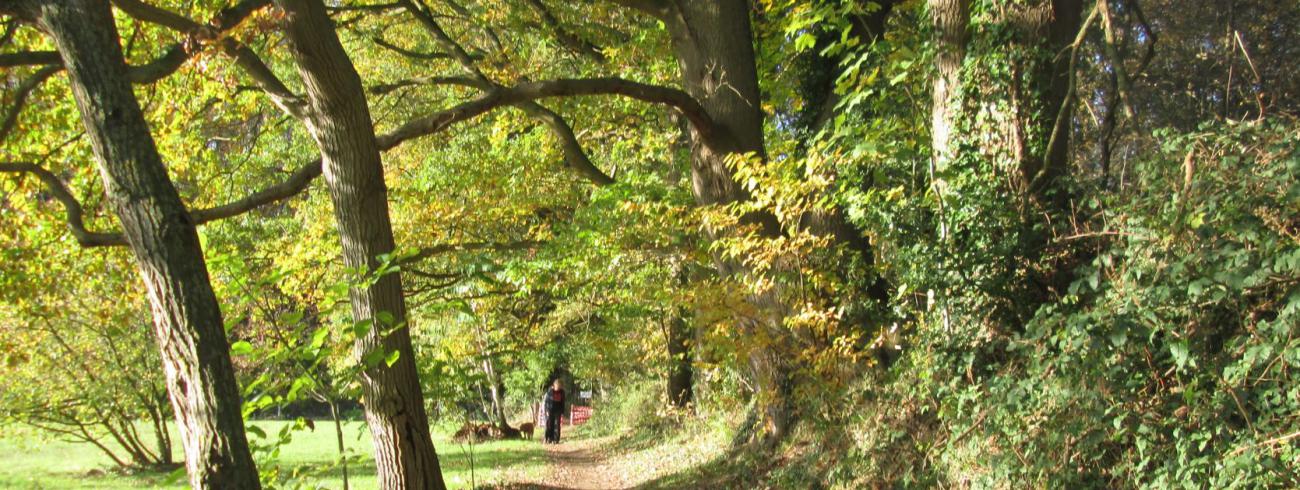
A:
(579, 464)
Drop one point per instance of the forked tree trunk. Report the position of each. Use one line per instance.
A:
(339, 121)
(161, 235)
(496, 390)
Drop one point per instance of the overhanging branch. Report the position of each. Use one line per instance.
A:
(74, 213)
(530, 91)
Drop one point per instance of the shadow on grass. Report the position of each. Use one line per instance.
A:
(491, 458)
(326, 471)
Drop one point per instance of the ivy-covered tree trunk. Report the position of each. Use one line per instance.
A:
(1050, 28)
(339, 120)
(162, 237)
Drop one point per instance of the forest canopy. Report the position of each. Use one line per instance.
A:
(953, 243)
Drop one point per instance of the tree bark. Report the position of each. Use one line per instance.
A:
(713, 42)
(496, 389)
(162, 237)
(950, 19)
(339, 120)
(1050, 27)
(681, 374)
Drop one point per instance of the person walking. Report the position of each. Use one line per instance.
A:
(555, 404)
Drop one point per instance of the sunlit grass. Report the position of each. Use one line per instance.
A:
(31, 460)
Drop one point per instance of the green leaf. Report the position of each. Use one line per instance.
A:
(1181, 354)
(241, 348)
(392, 358)
(255, 430)
(318, 338)
(292, 317)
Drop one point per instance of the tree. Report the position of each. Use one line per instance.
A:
(85, 368)
(161, 235)
(339, 120)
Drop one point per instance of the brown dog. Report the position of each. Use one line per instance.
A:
(526, 429)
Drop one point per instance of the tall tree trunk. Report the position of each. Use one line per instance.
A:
(496, 390)
(1049, 27)
(681, 374)
(950, 18)
(339, 121)
(187, 319)
(715, 53)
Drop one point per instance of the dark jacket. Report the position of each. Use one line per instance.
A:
(554, 405)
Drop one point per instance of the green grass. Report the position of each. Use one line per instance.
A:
(31, 460)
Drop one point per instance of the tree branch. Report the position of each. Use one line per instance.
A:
(574, 155)
(27, 58)
(568, 39)
(531, 91)
(25, 90)
(74, 214)
(292, 186)
(155, 15)
(381, 42)
(378, 7)
(431, 251)
(385, 88)
(244, 57)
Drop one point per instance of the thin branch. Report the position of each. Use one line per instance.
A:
(25, 90)
(654, 8)
(574, 155)
(385, 88)
(409, 53)
(1269, 442)
(378, 7)
(292, 186)
(431, 251)
(74, 214)
(566, 38)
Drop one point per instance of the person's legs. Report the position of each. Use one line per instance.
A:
(553, 428)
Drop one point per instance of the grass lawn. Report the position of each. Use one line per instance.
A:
(31, 460)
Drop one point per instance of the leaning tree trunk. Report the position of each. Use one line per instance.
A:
(1047, 28)
(339, 121)
(161, 235)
